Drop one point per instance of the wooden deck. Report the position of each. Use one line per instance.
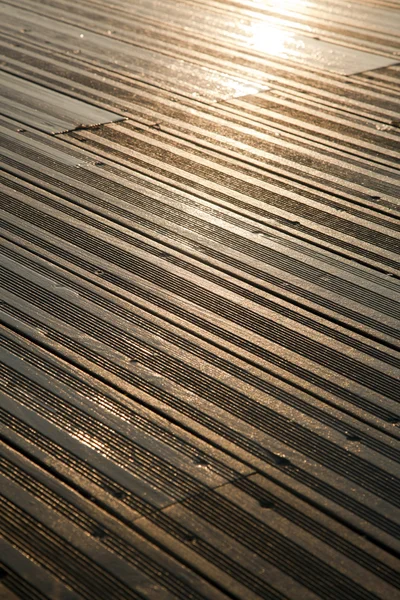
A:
(200, 300)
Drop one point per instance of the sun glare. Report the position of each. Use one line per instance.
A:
(274, 41)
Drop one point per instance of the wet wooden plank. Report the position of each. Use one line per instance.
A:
(200, 304)
(255, 418)
(264, 34)
(69, 536)
(136, 61)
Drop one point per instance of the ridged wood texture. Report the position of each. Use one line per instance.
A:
(200, 300)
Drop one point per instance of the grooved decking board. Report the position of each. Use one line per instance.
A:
(139, 21)
(361, 291)
(58, 68)
(255, 506)
(335, 222)
(45, 109)
(200, 304)
(361, 24)
(138, 62)
(256, 422)
(24, 577)
(163, 467)
(301, 207)
(73, 539)
(362, 131)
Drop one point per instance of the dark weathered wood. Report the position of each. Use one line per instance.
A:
(200, 300)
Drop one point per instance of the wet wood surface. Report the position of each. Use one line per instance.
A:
(199, 276)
